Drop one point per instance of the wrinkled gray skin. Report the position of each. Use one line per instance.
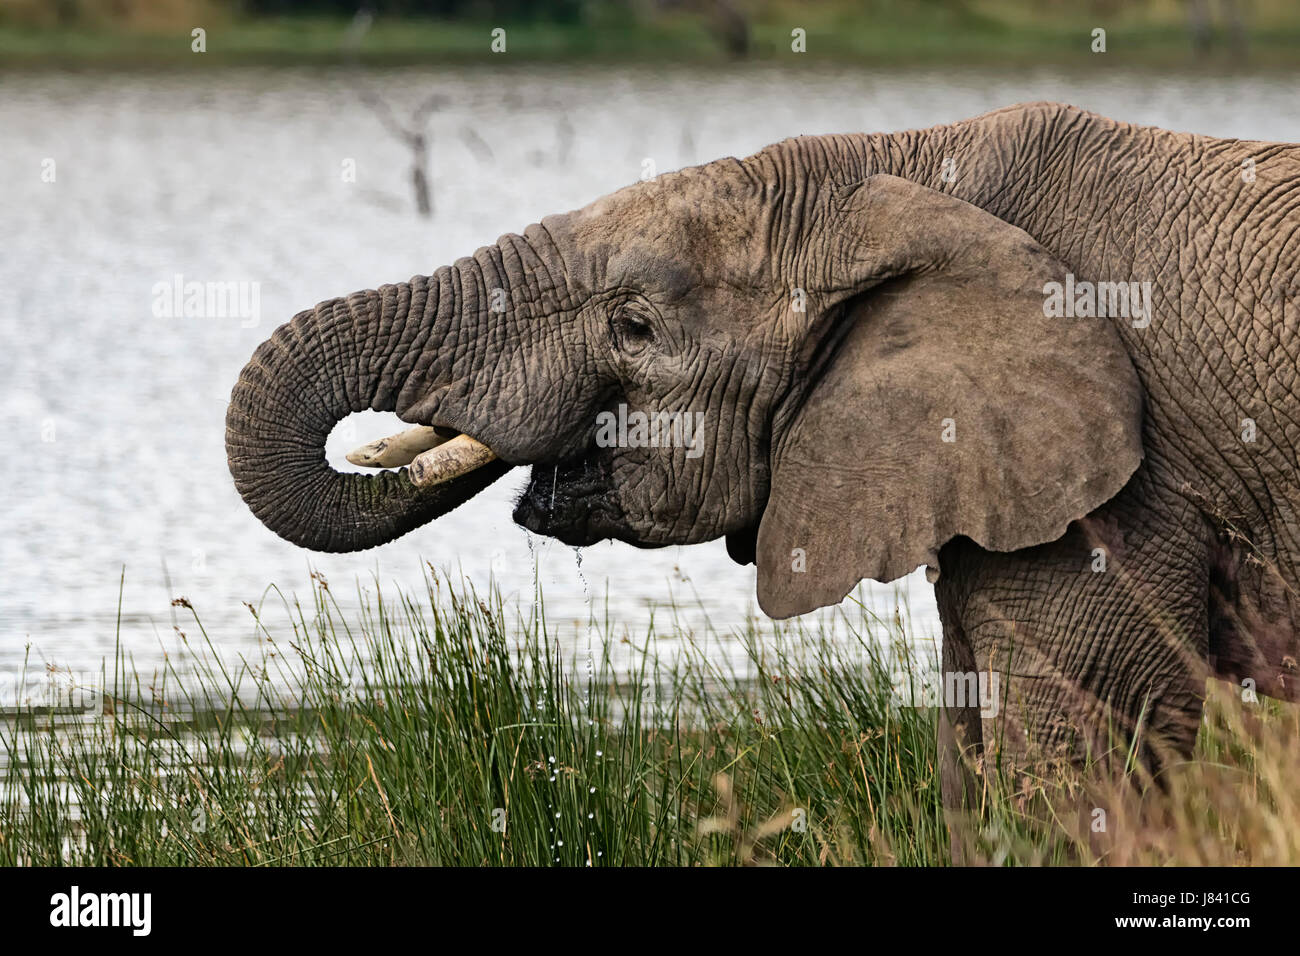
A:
(823, 453)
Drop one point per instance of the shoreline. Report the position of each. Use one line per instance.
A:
(395, 43)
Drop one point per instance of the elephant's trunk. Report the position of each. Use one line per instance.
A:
(343, 356)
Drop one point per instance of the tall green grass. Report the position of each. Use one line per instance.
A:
(443, 730)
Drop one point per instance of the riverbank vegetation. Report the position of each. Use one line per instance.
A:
(1151, 33)
(445, 729)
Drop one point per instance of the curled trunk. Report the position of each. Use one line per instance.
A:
(343, 356)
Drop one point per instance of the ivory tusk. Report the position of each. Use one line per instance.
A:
(449, 460)
(396, 450)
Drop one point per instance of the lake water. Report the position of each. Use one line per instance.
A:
(112, 416)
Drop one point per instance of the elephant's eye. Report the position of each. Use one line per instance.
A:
(631, 329)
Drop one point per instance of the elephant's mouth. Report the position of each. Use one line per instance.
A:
(574, 502)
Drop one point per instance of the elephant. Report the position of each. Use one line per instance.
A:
(1044, 354)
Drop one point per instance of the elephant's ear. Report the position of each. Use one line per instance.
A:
(950, 404)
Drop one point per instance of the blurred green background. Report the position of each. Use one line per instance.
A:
(1159, 33)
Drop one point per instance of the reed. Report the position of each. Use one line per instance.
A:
(447, 729)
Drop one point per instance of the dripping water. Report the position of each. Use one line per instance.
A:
(591, 667)
(591, 626)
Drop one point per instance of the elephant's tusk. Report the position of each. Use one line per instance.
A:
(450, 460)
(396, 450)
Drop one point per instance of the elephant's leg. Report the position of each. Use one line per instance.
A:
(960, 742)
(1093, 636)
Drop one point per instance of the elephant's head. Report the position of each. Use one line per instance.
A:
(839, 377)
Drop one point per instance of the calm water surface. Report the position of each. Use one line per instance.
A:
(112, 415)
